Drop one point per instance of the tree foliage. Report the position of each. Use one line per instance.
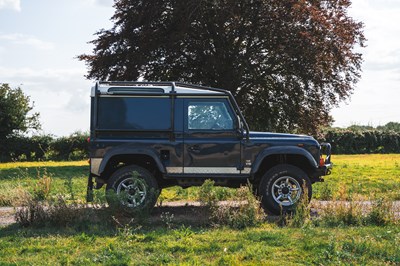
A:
(15, 112)
(286, 62)
(391, 126)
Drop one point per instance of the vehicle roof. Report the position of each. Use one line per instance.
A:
(138, 87)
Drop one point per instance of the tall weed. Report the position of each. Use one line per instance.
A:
(244, 213)
(302, 212)
(207, 195)
(381, 213)
(340, 213)
(58, 213)
(13, 195)
(42, 188)
(325, 191)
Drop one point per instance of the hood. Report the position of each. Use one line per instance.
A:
(256, 135)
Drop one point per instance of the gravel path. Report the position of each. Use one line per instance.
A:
(189, 211)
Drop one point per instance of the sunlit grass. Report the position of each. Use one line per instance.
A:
(14, 165)
(267, 244)
(357, 176)
(102, 243)
(364, 176)
(68, 179)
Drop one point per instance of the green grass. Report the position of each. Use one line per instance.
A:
(68, 179)
(353, 176)
(267, 244)
(362, 176)
(104, 242)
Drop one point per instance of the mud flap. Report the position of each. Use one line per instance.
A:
(89, 192)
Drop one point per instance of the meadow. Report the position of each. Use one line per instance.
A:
(102, 238)
(354, 176)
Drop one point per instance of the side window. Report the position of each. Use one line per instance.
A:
(134, 113)
(209, 115)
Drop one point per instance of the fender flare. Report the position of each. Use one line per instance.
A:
(130, 151)
(292, 150)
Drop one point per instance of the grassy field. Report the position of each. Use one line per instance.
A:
(362, 176)
(267, 244)
(353, 176)
(108, 240)
(67, 178)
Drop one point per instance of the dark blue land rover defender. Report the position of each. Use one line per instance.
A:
(145, 136)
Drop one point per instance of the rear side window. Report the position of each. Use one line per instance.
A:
(134, 113)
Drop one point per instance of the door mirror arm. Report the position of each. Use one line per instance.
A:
(240, 133)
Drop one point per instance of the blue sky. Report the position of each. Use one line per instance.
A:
(39, 42)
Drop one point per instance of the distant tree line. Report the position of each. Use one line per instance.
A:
(355, 139)
(45, 148)
(359, 139)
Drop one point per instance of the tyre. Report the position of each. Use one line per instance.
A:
(282, 187)
(132, 189)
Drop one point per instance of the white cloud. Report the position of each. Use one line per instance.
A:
(61, 96)
(10, 4)
(375, 99)
(381, 20)
(108, 3)
(17, 38)
(39, 74)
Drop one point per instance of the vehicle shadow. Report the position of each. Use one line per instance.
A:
(102, 221)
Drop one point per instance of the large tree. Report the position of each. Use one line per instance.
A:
(15, 113)
(286, 62)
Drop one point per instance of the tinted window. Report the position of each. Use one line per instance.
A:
(212, 115)
(134, 113)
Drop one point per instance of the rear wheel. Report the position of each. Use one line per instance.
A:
(282, 187)
(132, 188)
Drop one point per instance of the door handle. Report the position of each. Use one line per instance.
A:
(194, 148)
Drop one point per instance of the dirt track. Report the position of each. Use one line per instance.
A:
(192, 212)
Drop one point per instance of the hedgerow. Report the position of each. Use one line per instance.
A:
(346, 141)
(44, 148)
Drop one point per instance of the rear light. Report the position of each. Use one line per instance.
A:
(321, 161)
(88, 139)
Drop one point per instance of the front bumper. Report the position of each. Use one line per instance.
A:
(327, 165)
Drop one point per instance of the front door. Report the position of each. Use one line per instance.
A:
(211, 140)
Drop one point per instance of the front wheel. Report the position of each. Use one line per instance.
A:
(282, 187)
(132, 188)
